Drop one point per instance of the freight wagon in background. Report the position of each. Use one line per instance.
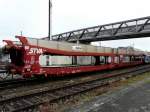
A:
(38, 57)
(5, 58)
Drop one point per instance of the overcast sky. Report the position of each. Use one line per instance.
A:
(31, 17)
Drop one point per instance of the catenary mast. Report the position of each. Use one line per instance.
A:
(50, 20)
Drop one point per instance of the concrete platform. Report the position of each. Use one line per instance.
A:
(134, 98)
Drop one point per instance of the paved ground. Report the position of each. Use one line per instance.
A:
(134, 98)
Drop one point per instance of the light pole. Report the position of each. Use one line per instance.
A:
(50, 21)
(48, 58)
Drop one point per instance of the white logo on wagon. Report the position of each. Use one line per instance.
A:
(77, 48)
(27, 47)
(36, 51)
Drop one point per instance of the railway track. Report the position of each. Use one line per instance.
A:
(33, 98)
(22, 82)
(14, 83)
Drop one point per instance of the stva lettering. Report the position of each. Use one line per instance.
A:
(35, 51)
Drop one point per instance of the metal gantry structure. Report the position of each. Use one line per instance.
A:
(135, 28)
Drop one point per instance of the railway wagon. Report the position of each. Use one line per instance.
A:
(147, 58)
(64, 58)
